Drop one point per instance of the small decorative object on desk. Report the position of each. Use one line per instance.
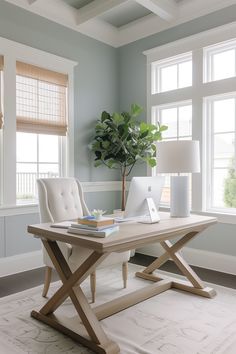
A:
(98, 213)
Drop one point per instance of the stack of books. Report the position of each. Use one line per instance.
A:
(90, 226)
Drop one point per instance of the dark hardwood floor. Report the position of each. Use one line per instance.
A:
(211, 276)
(26, 280)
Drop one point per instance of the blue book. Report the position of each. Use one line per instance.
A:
(85, 232)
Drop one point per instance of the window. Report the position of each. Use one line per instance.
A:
(220, 61)
(42, 160)
(221, 177)
(178, 118)
(172, 73)
(41, 109)
(36, 121)
(204, 110)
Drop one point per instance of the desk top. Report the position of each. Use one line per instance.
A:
(131, 234)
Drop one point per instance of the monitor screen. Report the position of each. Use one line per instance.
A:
(140, 189)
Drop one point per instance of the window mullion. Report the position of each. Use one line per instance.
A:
(235, 62)
(60, 155)
(38, 156)
(197, 127)
(234, 162)
(211, 153)
(9, 134)
(177, 76)
(178, 122)
(180, 95)
(37, 134)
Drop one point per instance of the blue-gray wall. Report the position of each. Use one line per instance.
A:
(14, 238)
(106, 78)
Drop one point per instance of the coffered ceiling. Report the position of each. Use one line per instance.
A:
(119, 22)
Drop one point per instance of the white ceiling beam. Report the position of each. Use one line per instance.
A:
(101, 31)
(166, 9)
(96, 8)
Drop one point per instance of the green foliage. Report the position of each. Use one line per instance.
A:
(121, 140)
(230, 188)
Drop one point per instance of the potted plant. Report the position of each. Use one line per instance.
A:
(121, 141)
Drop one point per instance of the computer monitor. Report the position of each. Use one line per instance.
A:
(144, 197)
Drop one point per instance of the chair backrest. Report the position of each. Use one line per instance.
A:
(60, 199)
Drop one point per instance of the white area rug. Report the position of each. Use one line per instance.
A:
(173, 322)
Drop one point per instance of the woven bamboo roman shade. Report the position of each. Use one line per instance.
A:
(1, 69)
(41, 100)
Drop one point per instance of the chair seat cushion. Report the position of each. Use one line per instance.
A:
(115, 258)
(66, 250)
(79, 254)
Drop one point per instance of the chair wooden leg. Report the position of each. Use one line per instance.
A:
(125, 273)
(47, 281)
(93, 285)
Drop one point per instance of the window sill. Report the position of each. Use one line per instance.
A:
(225, 218)
(7, 210)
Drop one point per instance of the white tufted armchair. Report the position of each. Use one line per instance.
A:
(62, 199)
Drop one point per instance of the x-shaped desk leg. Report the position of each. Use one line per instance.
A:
(95, 338)
(195, 286)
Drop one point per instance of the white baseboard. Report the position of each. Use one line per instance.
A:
(200, 258)
(20, 263)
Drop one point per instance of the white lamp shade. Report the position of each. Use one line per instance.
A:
(178, 156)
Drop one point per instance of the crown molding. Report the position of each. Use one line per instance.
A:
(204, 38)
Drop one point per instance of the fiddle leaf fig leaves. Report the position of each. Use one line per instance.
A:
(136, 110)
(121, 141)
(152, 162)
(163, 128)
(117, 118)
(105, 116)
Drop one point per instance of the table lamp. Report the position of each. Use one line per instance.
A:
(178, 156)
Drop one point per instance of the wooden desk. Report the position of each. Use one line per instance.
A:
(131, 235)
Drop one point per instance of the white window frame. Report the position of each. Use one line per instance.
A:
(61, 143)
(156, 117)
(157, 109)
(157, 67)
(196, 93)
(212, 50)
(207, 121)
(13, 51)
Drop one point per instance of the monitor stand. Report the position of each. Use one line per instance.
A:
(153, 216)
